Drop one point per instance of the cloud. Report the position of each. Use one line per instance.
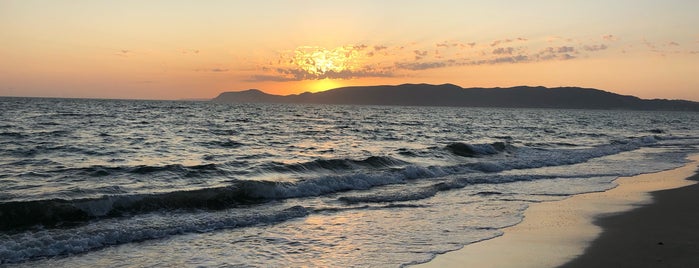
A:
(213, 70)
(508, 40)
(190, 51)
(555, 53)
(283, 75)
(417, 66)
(504, 50)
(444, 44)
(609, 37)
(497, 42)
(124, 53)
(419, 54)
(592, 48)
(500, 60)
(673, 43)
(455, 44)
(270, 78)
(649, 44)
(377, 60)
(552, 39)
(360, 47)
(564, 49)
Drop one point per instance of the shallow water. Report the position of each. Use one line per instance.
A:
(161, 183)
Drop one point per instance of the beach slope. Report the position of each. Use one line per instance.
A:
(649, 220)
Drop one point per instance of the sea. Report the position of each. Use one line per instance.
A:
(134, 183)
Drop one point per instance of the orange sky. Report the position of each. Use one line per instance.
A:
(193, 49)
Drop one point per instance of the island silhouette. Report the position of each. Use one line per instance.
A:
(453, 95)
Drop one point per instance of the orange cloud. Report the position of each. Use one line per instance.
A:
(378, 60)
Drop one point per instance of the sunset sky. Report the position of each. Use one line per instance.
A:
(197, 49)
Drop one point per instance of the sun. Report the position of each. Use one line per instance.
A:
(323, 85)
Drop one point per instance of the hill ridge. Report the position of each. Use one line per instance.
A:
(453, 95)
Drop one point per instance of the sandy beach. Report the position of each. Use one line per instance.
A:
(649, 220)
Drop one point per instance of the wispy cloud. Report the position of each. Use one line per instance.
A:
(593, 48)
(382, 60)
(504, 50)
(609, 37)
(213, 70)
(189, 51)
(124, 53)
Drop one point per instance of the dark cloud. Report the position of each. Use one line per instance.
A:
(417, 66)
(291, 74)
(455, 44)
(673, 44)
(555, 53)
(511, 59)
(360, 47)
(504, 50)
(594, 47)
(379, 48)
(270, 78)
(564, 49)
(419, 54)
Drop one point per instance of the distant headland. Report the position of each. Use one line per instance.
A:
(453, 95)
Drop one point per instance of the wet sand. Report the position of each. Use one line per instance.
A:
(662, 234)
(650, 220)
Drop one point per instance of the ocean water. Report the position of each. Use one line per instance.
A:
(112, 183)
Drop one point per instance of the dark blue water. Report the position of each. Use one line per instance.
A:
(164, 183)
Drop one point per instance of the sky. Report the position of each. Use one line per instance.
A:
(198, 49)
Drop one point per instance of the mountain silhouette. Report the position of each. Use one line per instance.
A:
(453, 95)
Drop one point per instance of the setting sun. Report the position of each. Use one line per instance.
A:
(325, 84)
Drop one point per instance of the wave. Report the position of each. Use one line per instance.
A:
(10, 134)
(54, 212)
(186, 171)
(227, 143)
(335, 164)
(54, 242)
(473, 150)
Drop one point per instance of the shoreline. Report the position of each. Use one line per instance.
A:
(565, 233)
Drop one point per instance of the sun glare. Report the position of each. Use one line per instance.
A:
(319, 61)
(323, 85)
